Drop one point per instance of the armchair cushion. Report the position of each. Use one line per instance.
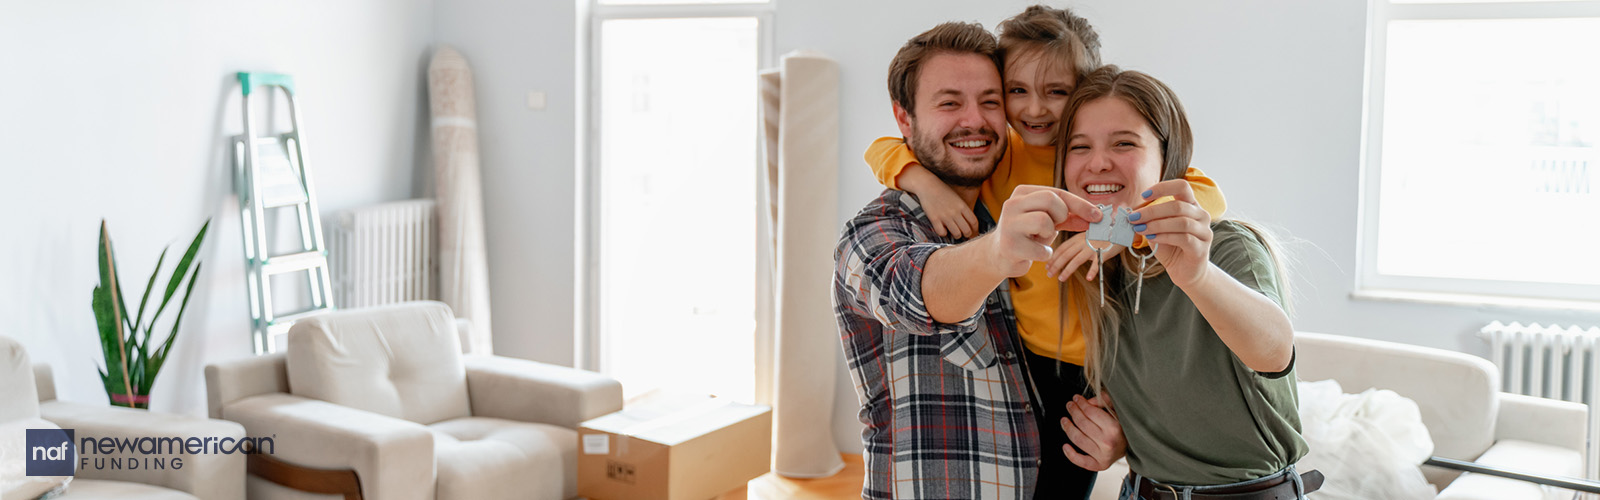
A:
(44, 382)
(19, 398)
(210, 476)
(1522, 456)
(497, 458)
(392, 457)
(1542, 420)
(86, 489)
(528, 391)
(401, 360)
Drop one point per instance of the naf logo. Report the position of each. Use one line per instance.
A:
(50, 452)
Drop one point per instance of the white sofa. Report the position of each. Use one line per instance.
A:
(1462, 406)
(28, 401)
(385, 392)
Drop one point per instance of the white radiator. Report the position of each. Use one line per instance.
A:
(382, 254)
(1551, 362)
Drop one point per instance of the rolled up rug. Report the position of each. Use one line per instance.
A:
(463, 260)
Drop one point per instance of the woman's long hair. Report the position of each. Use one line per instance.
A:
(1160, 108)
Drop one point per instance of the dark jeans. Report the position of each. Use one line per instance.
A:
(1059, 478)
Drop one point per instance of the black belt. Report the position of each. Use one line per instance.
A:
(1280, 488)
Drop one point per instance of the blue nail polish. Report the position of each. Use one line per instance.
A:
(1137, 228)
(1146, 193)
(1149, 237)
(1135, 216)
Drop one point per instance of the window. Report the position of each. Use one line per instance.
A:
(1482, 171)
(671, 194)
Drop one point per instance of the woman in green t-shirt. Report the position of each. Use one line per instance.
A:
(1201, 377)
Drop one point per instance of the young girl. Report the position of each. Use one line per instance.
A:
(1202, 376)
(1045, 52)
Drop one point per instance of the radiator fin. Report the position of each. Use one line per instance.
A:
(383, 254)
(1551, 362)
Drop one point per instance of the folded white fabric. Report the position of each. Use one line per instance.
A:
(1369, 445)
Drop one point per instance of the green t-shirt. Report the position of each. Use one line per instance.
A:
(1192, 412)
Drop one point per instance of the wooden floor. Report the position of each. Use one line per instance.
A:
(842, 486)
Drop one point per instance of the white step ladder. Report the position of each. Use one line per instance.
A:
(269, 173)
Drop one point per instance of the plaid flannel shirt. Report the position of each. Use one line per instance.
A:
(946, 406)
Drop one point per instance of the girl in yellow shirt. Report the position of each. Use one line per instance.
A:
(1046, 52)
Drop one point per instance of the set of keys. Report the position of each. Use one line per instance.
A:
(1115, 229)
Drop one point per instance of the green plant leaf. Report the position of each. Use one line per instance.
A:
(108, 330)
(130, 335)
(141, 377)
(166, 347)
(118, 309)
(100, 255)
(110, 382)
(122, 304)
(138, 321)
(106, 260)
(183, 268)
(131, 347)
(133, 341)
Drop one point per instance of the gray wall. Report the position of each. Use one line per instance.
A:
(527, 161)
(121, 110)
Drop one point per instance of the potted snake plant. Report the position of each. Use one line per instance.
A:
(132, 356)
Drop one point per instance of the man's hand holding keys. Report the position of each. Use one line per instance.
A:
(1029, 222)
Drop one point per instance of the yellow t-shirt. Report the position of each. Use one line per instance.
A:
(1036, 297)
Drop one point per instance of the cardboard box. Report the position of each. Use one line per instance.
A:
(673, 447)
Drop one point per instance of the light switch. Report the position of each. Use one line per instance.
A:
(535, 99)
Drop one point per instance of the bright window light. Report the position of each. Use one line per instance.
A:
(1474, 1)
(677, 2)
(676, 194)
(1489, 160)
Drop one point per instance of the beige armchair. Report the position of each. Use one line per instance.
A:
(1467, 415)
(382, 398)
(1460, 401)
(28, 401)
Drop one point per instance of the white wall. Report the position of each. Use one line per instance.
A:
(1274, 91)
(527, 162)
(121, 110)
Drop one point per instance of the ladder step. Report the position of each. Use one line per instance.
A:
(280, 201)
(294, 262)
(277, 329)
(281, 324)
(280, 185)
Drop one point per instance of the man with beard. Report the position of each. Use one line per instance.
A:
(925, 321)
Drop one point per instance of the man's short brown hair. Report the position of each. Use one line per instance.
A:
(951, 37)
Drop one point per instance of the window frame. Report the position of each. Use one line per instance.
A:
(589, 343)
(1370, 284)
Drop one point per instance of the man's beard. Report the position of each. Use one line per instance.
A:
(934, 156)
